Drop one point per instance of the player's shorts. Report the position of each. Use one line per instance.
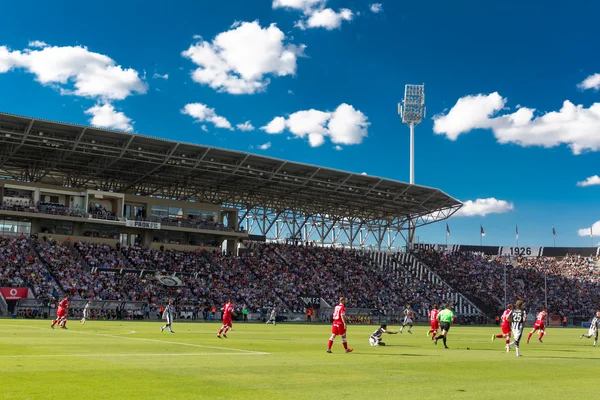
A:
(505, 329)
(169, 318)
(61, 313)
(338, 329)
(539, 325)
(517, 331)
(227, 322)
(445, 326)
(593, 332)
(373, 341)
(435, 325)
(407, 320)
(86, 314)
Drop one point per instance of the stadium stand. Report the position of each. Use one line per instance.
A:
(21, 266)
(573, 282)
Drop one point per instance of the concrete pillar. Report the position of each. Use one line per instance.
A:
(232, 246)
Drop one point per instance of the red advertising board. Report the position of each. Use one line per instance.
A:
(12, 293)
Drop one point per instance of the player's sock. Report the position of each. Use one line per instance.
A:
(226, 329)
(345, 345)
(541, 334)
(329, 344)
(499, 336)
(220, 330)
(54, 322)
(444, 340)
(529, 336)
(507, 341)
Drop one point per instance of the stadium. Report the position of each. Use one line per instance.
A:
(131, 222)
(183, 213)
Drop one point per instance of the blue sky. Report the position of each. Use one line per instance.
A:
(513, 65)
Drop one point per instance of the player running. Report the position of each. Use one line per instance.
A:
(505, 326)
(593, 332)
(540, 324)
(61, 313)
(409, 315)
(434, 323)
(517, 321)
(339, 326)
(86, 312)
(228, 315)
(273, 317)
(446, 317)
(375, 338)
(168, 314)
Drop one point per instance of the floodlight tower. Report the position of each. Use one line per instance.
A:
(412, 112)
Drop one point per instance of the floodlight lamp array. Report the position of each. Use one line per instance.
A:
(412, 109)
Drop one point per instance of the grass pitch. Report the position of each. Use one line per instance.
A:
(133, 360)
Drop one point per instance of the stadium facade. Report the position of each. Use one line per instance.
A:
(104, 185)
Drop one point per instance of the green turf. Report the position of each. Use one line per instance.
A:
(133, 360)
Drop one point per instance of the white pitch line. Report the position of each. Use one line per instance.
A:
(199, 346)
(127, 355)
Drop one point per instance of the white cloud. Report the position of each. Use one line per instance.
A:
(376, 8)
(363, 173)
(275, 127)
(159, 76)
(591, 82)
(590, 181)
(315, 13)
(469, 112)
(37, 43)
(338, 148)
(573, 125)
(265, 146)
(345, 125)
(105, 116)
(246, 126)
(586, 231)
(483, 207)
(202, 113)
(326, 18)
(204, 128)
(241, 60)
(76, 71)
(300, 5)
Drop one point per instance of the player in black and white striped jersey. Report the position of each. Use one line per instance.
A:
(375, 338)
(593, 331)
(86, 312)
(517, 323)
(168, 314)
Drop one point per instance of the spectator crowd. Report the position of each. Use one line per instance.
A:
(573, 282)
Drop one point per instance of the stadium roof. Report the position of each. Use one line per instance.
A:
(34, 150)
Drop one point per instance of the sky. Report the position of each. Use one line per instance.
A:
(512, 91)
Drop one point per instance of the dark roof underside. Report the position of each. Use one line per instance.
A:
(84, 157)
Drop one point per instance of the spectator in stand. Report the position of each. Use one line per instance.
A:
(573, 281)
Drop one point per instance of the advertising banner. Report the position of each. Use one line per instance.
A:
(14, 293)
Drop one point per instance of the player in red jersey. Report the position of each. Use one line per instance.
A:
(505, 326)
(228, 313)
(540, 324)
(61, 313)
(434, 323)
(339, 326)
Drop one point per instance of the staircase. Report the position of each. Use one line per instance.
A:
(43, 261)
(461, 304)
(3, 306)
(388, 262)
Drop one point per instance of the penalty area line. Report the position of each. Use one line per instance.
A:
(198, 346)
(127, 355)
